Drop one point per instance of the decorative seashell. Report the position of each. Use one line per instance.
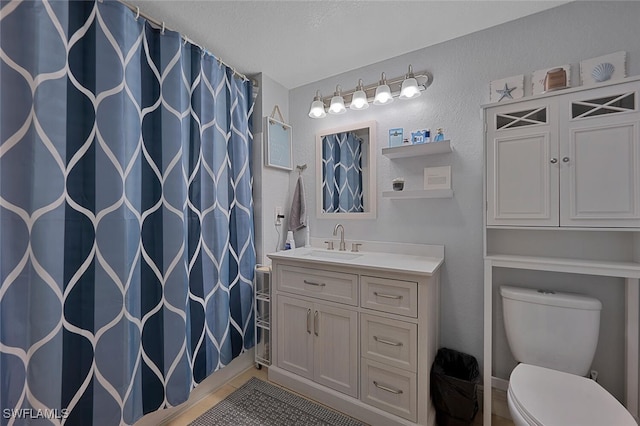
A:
(602, 72)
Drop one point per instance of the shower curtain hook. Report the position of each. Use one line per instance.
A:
(137, 12)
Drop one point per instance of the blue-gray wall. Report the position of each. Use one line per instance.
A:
(462, 69)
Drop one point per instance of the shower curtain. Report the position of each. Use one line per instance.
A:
(126, 216)
(342, 173)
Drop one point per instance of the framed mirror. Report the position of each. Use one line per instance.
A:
(346, 172)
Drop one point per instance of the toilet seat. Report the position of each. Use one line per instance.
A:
(545, 397)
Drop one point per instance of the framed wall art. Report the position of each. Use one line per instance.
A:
(278, 151)
(507, 88)
(603, 68)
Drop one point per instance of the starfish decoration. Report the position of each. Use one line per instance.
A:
(505, 93)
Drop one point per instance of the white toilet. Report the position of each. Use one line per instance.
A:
(554, 337)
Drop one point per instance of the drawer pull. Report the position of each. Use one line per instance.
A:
(308, 319)
(387, 296)
(314, 283)
(386, 388)
(386, 342)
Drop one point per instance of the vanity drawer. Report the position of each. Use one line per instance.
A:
(390, 389)
(389, 341)
(387, 295)
(326, 285)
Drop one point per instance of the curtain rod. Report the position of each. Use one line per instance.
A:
(161, 25)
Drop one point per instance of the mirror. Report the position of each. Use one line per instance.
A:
(346, 172)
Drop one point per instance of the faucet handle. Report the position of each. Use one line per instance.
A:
(329, 245)
(354, 247)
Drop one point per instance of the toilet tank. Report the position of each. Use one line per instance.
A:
(550, 329)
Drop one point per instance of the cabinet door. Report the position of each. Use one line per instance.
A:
(295, 336)
(336, 348)
(522, 164)
(600, 158)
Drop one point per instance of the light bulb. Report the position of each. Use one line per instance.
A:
(337, 105)
(317, 110)
(383, 95)
(359, 100)
(337, 102)
(317, 107)
(410, 87)
(383, 92)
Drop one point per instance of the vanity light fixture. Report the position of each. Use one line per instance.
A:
(317, 107)
(383, 92)
(359, 99)
(337, 102)
(408, 86)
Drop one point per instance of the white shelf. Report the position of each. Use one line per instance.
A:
(576, 266)
(422, 193)
(417, 150)
(262, 324)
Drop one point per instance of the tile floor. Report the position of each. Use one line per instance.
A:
(211, 400)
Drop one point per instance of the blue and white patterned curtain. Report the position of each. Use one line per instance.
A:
(126, 216)
(342, 173)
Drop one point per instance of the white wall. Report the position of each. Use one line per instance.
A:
(462, 69)
(270, 185)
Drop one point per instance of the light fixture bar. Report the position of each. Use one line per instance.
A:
(424, 79)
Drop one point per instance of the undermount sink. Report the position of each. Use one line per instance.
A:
(333, 254)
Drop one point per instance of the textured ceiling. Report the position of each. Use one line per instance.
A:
(299, 42)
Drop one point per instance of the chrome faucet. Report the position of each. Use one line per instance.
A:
(335, 232)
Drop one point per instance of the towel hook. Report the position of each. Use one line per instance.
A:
(162, 32)
(137, 12)
(301, 168)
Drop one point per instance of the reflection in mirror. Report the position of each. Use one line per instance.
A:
(342, 173)
(346, 172)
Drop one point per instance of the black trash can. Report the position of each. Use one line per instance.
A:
(454, 384)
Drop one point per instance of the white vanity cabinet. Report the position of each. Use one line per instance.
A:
(571, 159)
(358, 338)
(321, 343)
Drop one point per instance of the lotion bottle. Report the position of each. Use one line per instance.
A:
(290, 243)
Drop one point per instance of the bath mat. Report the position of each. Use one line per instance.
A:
(257, 403)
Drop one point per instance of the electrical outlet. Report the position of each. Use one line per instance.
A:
(278, 216)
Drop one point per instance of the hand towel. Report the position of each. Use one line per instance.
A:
(298, 214)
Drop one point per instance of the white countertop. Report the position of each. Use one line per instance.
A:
(381, 261)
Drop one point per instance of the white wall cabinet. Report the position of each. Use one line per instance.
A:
(562, 190)
(566, 160)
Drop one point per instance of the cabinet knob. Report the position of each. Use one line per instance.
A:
(553, 160)
(565, 159)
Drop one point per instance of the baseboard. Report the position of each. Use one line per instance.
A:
(208, 386)
(499, 404)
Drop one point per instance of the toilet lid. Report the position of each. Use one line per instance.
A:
(549, 397)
